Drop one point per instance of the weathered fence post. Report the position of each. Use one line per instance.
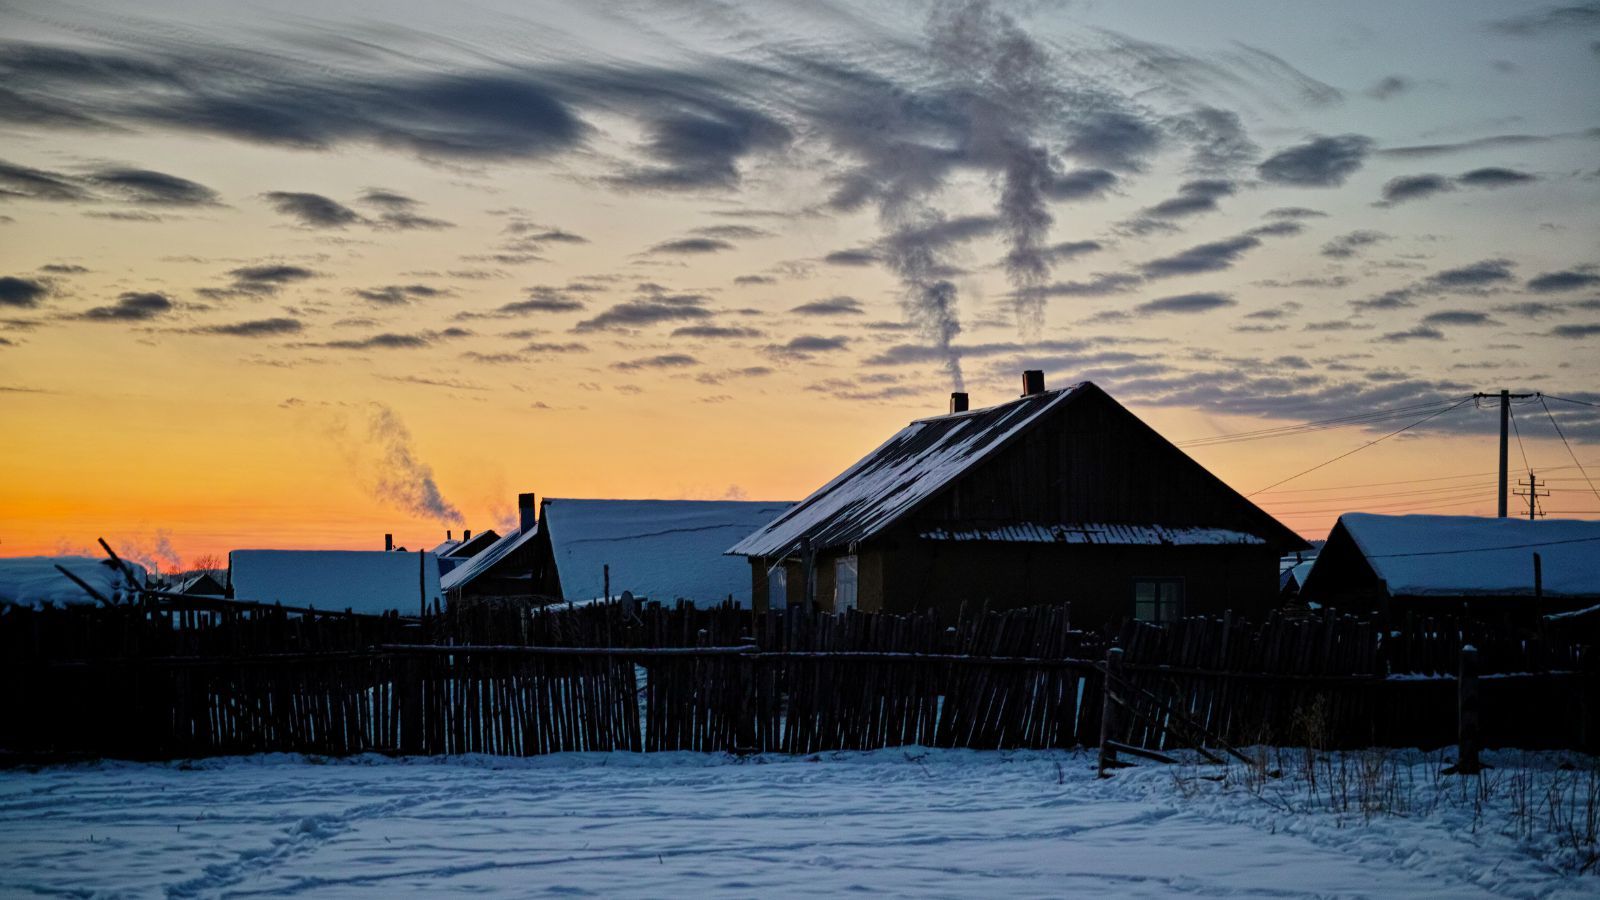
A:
(1469, 736)
(1108, 711)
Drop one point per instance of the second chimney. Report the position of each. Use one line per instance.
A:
(1032, 382)
(388, 542)
(958, 401)
(527, 512)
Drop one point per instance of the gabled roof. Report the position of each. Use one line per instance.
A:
(481, 562)
(366, 581)
(1457, 556)
(470, 547)
(1107, 534)
(661, 549)
(897, 477)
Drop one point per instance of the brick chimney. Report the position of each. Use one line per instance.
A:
(1032, 382)
(388, 542)
(527, 512)
(958, 401)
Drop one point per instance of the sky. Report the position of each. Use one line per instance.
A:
(303, 274)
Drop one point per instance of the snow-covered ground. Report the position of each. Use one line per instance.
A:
(897, 822)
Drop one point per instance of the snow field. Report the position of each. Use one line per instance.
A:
(905, 822)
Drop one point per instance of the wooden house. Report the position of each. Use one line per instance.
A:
(1512, 570)
(1058, 496)
(512, 567)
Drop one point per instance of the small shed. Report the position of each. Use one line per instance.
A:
(204, 583)
(1487, 567)
(1058, 496)
(365, 581)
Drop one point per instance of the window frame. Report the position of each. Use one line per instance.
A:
(1174, 606)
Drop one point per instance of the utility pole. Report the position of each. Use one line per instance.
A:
(1533, 494)
(1505, 422)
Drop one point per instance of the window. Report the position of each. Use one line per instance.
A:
(844, 583)
(778, 586)
(1157, 599)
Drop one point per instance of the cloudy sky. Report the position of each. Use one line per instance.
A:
(300, 275)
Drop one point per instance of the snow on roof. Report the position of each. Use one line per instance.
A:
(661, 549)
(466, 572)
(1420, 556)
(894, 479)
(467, 548)
(34, 580)
(444, 547)
(366, 581)
(1097, 533)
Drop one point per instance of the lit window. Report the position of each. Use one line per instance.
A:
(1157, 599)
(844, 583)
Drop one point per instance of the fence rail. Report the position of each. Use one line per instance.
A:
(165, 679)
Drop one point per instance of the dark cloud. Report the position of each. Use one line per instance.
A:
(259, 280)
(691, 245)
(1417, 151)
(1292, 213)
(149, 188)
(1100, 285)
(1210, 257)
(830, 306)
(1320, 162)
(1080, 184)
(1419, 333)
(1566, 280)
(1551, 20)
(1113, 140)
(63, 269)
(397, 212)
(387, 199)
(132, 307)
(1217, 139)
(1395, 299)
(805, 345)
(22, 182)
(541, 303)
(1494, 177)
(717, 332)
(1576, 332)
(1531, 309)
(1185, 303)
(395, 294)
(640, 313)
(852, 258)
(1458, 317)
(1479, 274)
(1193, 198)
(665, 361)
(1389, 86)
(1347, 245)
(1072, 249)
(1276, 229)
(701, 148)
(22, 292)
(387, 341)
(313, 210)
(553, 347)
(755, 279)
(1412, 187)
(254, 328)
(733, 232)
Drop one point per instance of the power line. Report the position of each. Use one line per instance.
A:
(1563, 437)
(1484, 549)
(1512, 415)
(1380, 440)
(1570, 400)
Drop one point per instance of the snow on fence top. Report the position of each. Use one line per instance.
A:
(661, 549)
(35, 581)
(894, 479)
(1421, 556)
(365, 581)
(1097, 533)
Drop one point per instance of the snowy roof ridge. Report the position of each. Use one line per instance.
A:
(897, 477)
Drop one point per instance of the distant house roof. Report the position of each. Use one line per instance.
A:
(470, 547)
(1091, 533)
(443, 548)
(928, 455)
(35, 580)
(1421, 556)
(894, 479)
(481, 562)
(199, 584)
(661, 549)
(366, 581)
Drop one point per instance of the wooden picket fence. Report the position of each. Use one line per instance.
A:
(169, 678)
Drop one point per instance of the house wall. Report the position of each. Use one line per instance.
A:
(1096, 580)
